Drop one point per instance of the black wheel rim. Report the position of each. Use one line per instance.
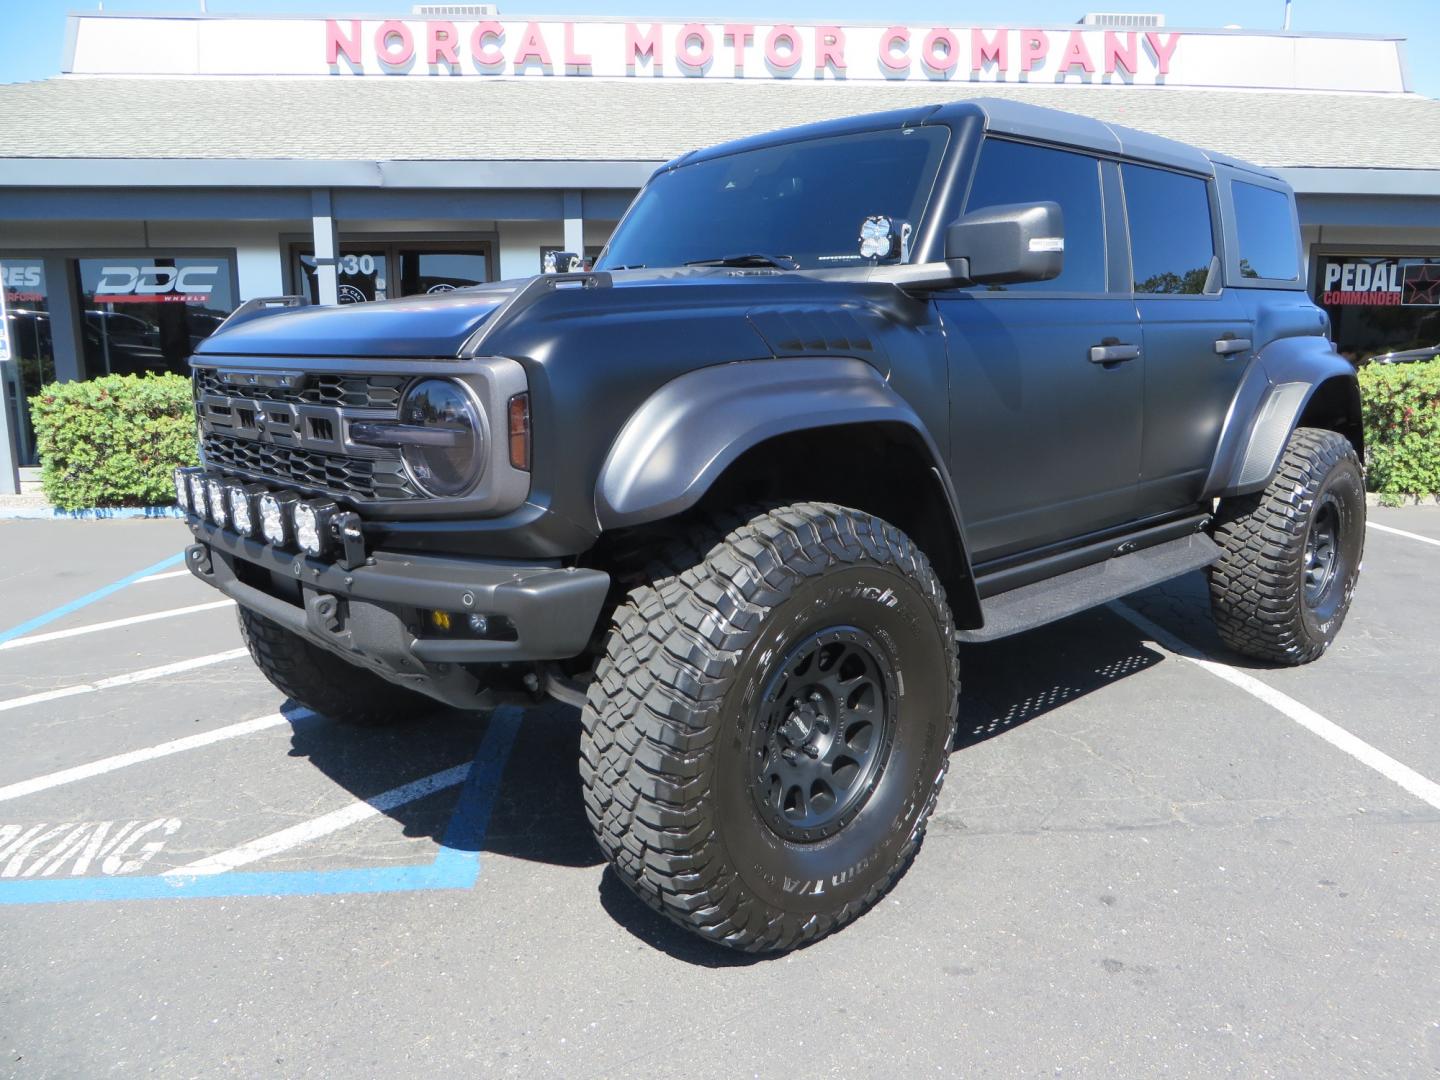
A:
(1322, 552)
(823, 733)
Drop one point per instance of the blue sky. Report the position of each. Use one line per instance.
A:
(35, 29)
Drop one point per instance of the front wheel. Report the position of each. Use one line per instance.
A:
(768, 730)
(323, 682)
(1291, 553)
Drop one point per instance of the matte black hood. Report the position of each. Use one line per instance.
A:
(419, 327)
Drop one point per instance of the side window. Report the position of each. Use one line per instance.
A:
(1266, 228)
(1171, 237)
(1018, 173)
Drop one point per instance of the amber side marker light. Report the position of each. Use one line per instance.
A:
(520, 431)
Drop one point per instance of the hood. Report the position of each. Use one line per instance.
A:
(419, 327)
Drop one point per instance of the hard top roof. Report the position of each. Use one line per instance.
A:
(1008, 118)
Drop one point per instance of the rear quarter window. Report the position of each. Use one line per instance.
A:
(1265, 228)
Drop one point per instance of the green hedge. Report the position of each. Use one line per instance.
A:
(1401, 403)
(113, 441)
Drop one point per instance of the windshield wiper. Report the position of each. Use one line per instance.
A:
(755, 258)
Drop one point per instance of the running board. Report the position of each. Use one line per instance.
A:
(1089, 586)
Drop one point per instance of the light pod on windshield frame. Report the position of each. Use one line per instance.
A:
(276, 523)
(312, 526)
(244, 501)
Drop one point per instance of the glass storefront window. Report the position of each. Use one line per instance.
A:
(362, 274)
(1379, 304)
(368, 271)
(32, 353)
(147, 313)
(426, 271)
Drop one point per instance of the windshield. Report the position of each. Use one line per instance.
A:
(806, 200)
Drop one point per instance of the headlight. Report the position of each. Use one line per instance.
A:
(446, 457)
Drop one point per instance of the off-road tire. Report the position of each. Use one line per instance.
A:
(667, 720)
(323, 682)
(1258, 588)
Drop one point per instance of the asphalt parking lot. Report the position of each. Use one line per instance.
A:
(1141, 864)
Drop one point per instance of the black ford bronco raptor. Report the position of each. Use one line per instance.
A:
(832, 403)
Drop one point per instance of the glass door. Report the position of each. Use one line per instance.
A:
(31, 363)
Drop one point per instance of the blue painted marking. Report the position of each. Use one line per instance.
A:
(92, 513)
(456, 867)
(75, 605)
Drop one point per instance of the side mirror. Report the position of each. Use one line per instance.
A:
(1006, 244)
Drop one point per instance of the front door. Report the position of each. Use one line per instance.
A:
(1046, 378)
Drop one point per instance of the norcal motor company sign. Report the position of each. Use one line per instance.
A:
(742, 50)
(419, 46)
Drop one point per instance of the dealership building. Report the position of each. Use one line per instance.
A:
(181, 165)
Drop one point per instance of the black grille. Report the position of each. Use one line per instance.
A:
(335, 474)
(351, 391)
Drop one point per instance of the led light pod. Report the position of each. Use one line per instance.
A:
(277, 523)
(312, 526)
(215, 502)
(244, 502)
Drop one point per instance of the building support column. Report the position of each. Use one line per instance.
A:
(327, 247)
(574, 224)
(65, 339)
(9, 453)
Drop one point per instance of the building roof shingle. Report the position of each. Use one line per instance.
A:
(481, 119)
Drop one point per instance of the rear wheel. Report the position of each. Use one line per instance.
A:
(321, 681)
(767, 732)
(1283, 586)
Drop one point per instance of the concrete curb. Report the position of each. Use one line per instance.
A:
(46, 512)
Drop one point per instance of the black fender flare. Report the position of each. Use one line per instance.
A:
(684, 436)
(1273, 396)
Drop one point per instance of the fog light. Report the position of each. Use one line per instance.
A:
(312, 526)
(215, 498)
(441, 620)
(244, 506)
(480, 625)
(275, 520)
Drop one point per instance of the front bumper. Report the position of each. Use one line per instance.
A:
(375, 616)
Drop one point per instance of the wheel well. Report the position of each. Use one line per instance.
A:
(1335, 406)
(884, 469)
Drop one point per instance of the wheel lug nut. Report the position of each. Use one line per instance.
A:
(812, 751)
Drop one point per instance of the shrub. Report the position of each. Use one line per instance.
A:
(1401, 404)
(113, 441)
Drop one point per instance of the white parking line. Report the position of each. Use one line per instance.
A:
(162, 577)
(90, 628)
(149, 753)
(1402, 532)
(1422, 788)
(295, 835)
(144, 675)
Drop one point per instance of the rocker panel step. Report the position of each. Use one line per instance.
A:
(1089, 586)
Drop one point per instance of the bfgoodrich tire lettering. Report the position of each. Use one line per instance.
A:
(1283, 586)
(323, 682)
(667, 746)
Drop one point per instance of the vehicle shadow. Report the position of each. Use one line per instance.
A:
(537, 812)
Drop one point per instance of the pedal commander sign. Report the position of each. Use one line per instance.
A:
(1380, 282)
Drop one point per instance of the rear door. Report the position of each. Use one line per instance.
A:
(1197, 342)
(1045, 432)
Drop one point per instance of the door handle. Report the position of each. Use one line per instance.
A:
(1111, 351)
(1227, 345)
